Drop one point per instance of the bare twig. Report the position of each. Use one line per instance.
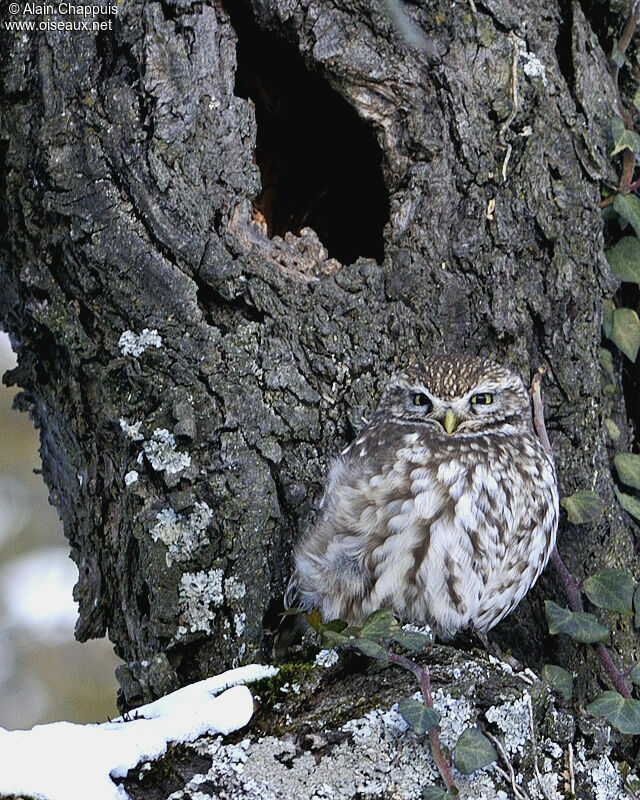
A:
(630, 791)
(572, 775)
(628, 158)
(538, 409)
(570, 586)
(518, 791)
(534, 746)
(617, 677)
(514, 106)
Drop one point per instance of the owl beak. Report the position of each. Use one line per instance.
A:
(450, 422)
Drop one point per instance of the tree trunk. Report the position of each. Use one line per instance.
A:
(229, 224)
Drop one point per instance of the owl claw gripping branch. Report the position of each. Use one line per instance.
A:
(443, 510)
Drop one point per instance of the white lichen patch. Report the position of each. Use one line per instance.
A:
(134, 344)
(603, 775)
(198, 592)
(479, 786)
(183, 537)
(239, 623)
(234, 589)
(501, 664)
(425, 630)
(131, 477)
(455, 715)
(132, 431)
(533, 67)
(327, 658)
(381, 758)
(512, 718)
(549, 789)
(162, 454)
(553, 748)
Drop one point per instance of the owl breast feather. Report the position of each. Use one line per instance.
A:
(448, 531)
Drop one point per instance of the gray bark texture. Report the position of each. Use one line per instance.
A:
(156, 179)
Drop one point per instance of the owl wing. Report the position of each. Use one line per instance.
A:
(337, 563)
(528, 519)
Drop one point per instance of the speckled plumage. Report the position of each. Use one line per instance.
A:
(443, 528)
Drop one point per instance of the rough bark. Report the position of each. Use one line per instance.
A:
(134, 201)
(335, 733)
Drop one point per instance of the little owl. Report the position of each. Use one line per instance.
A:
(443, 510)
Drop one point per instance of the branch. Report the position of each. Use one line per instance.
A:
(628, 158)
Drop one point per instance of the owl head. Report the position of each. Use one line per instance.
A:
(458, 395)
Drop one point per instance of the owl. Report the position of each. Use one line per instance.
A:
(444, 509)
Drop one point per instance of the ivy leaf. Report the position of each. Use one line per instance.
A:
(623, 138)
(337, 625)
(628, 467)
(583, 507)
(331, 639)
(606, 360)
(628, 206)
(617, 56)
(577, 624)
(314, 618)
(630, 503)
(372, 649)
(418, 717)
(612, 429)
(624, 259)
(611, 589)
(434, 793)
(626, 332)
(473, 751)
(560, 679)
(411, 640)
(635, 674)
(380, 625)
(621, 712)
(608, 307)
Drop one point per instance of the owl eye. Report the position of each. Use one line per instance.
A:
(482, 399)
(421, 399)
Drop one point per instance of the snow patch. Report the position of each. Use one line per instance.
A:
(64, 761)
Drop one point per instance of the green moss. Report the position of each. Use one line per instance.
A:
(268, 689)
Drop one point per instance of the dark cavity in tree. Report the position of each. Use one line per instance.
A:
(320, 163)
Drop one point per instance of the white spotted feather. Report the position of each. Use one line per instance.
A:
(449, 528)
